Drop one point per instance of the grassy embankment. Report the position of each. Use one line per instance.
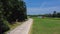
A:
(12, 26)
(46, 26)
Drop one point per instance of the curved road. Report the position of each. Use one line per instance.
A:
(22, 29)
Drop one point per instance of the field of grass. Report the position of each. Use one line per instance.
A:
(46, 26)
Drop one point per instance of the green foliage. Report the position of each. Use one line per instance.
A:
(3, 27)
(12, 10)
(54, 15)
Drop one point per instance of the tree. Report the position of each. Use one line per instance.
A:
(14, 10)
(11, 10)
(58, 15)
(54, 14)
(23, 13)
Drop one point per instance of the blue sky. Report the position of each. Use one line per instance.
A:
(42, 6)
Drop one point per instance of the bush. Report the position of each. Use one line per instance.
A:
(3, 27)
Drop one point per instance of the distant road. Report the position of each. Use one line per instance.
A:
(22, 29)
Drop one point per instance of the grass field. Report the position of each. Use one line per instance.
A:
(46, 26)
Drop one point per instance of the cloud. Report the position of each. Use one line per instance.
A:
(42, 10)
(50, 3)
(42, 7)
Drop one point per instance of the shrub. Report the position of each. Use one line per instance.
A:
(3, 27)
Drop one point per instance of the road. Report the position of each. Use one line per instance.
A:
(22, 29)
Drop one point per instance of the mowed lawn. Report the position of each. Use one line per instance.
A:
(46, 26)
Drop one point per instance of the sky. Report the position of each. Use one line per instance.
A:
(35, 7)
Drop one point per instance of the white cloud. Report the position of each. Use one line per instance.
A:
(50, 3)
(44, 7)
(42, 10)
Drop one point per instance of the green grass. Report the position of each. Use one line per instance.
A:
(46, 26)
(14, 25)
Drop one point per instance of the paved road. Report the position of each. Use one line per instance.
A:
(22, 29)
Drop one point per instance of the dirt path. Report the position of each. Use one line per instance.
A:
(22, 29)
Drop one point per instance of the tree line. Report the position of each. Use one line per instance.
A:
(11, 10)
(55, 14)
